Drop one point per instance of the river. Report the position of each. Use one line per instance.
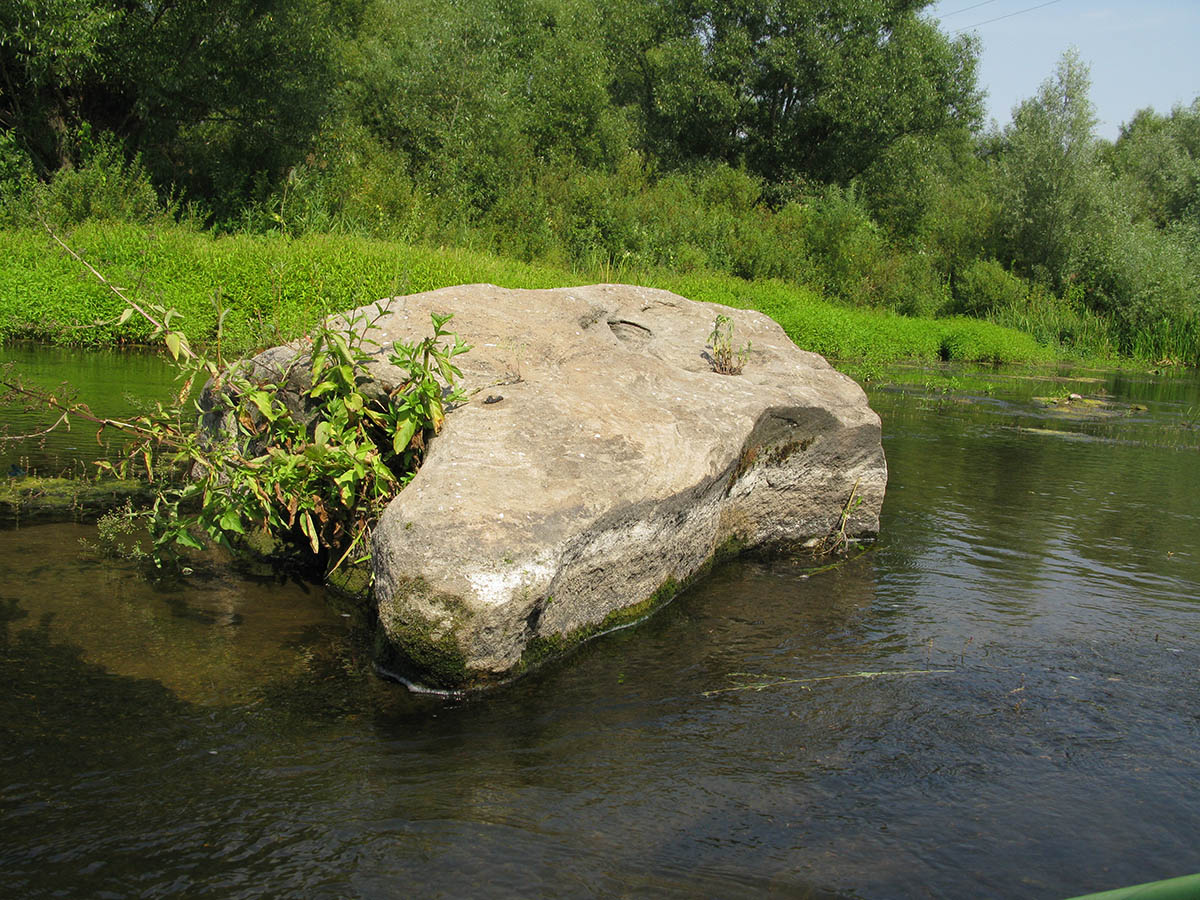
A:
(999, 699)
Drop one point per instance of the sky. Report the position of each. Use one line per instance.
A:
(1141, 52)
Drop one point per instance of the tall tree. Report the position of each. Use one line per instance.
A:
(213, 93)
(1158, 159)
(51, 54)
(473, 94)
(1049, 180)
(1066, 222)
(809, 88)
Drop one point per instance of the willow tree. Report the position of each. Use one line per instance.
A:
(1157, 158)
(1049, 177)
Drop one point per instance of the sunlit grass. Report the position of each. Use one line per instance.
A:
(275, 288)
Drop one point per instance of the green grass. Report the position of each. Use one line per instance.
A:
(863, 335)
(275, 288)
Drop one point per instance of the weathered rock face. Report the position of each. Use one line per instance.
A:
(602, 464)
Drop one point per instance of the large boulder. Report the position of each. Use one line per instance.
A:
(601, 464)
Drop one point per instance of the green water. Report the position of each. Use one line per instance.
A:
(112, 383)
(1033, 600)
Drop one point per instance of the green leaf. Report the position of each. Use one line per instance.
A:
(321, 434)
(184, 537)
(404, 434)
(306, 525)
(174, 344)
(262, 400)
(339, 341)
(231, 520)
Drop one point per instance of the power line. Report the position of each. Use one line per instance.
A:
(1009, 16)
(966, 9)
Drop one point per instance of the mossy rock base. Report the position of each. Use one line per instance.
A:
(351, 580)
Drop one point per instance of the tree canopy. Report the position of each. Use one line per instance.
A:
(215, 94)
(813, 89)
(211, 93)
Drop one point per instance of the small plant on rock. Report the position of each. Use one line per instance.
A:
(724, 359)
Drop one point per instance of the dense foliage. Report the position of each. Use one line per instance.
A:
(302, 448)
(319, 470)
(833, 145)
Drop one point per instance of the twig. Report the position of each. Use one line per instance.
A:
(67, 410)
(353, 543)
(36, 434)
(184, 348)
(837, 539)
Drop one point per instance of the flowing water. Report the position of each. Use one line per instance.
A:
(998, 700)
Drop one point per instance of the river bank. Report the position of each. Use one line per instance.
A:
(273, 288)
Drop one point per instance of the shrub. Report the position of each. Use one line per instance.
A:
(975, 341)
(984, 286)
(104, 187)
(16, 178)
(911, 285)
(844, 242)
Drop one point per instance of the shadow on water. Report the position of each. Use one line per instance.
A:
(998, 700)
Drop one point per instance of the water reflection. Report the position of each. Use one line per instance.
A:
(113, 383)
(214, 639)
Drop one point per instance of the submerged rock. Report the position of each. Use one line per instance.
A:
(1078, 406)
(600, 464)
(30, 498)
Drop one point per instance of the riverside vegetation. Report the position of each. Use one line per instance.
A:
(823, 162)
(314, 473)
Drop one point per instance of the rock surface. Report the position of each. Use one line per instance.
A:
(600, 464)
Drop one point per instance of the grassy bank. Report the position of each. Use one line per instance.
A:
(274, 287)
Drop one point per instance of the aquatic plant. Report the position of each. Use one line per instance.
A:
(118, 534)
